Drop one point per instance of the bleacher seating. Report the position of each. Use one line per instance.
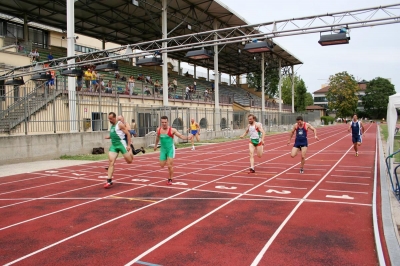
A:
(239, 95)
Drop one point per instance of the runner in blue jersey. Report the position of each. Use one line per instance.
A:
(357, 130)
(301, 143)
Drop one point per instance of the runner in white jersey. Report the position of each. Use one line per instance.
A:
(257, 135)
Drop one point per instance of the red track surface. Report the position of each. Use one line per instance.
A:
(216, 213)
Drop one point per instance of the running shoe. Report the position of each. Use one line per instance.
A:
(108, 185)
(301, 170)
(252, 170)
(143, 151)
(356, 154)
(169, 182)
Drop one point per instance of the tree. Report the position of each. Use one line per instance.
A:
(300, 96)
(309, 99)
(341, 95)
(287, 89)
(376, 97)
(271, 80)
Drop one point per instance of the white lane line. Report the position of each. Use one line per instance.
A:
(286, 187)
(235, 183)
(302, 174)
(352, 166)
(273, 237)
(206, 215)
(343, 191)
(47, 184)
(353, 171)
(351, 176)
(362, 184)
(21, 180)
(300, 180)
(106, 222)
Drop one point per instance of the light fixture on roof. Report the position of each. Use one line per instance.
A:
(151, 61)
(41, 77)
(72, 73)
(135, 2)
(200, 54)
(334, 39)
(15, 82)
(107, 67)
(257, 47)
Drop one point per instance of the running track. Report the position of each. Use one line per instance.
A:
(214, 214)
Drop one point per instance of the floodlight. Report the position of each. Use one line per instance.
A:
(258, 47)
(72, 73)
(200, 54)
(107, 67)
(41, 77)
(152, 61)
(15, 82)
(334, 39)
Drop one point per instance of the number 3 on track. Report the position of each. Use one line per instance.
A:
(278, 192)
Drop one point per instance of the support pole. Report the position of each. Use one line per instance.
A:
(194, 72)
(164, 54)
(216, 82)
(262, 88)
(292, 89)
(280, 86)
(71, 52)
(26, 30)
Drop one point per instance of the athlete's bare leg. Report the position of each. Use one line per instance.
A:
(259, 150)
(112, 156)
(128, 157)
(294, 152)
(251, 149)
(303, 156)
(170, 163)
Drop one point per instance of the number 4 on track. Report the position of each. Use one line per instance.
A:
(278, 192)
(224, 187)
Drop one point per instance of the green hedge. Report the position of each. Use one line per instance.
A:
(327, 120)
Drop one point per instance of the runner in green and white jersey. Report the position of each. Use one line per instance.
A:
(118, 145)
(165, 135)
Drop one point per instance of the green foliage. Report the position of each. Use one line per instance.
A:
(300, 96)
(327, 120)
(309, 99)
(342, 94)
(376, 97)
(361, 113)
(271, 81)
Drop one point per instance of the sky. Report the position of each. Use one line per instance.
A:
(372, 51)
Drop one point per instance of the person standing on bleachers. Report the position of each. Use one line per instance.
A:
(131, 83)
(157, 87)
(175, 83)
(88, 77)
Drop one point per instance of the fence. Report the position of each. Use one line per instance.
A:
(37, 108)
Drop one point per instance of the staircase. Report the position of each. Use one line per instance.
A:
(24, 107)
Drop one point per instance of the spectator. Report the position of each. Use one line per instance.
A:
(116, 74)
(187, 94)
(94, 81)
(50, 57)
(148, 80)
(88, 77)
(157, 87)
(131, 82)
(109, 87)
(194, 86)
(175, 83)
(140, 77)
(79, 83)
(212, 87)
(147, 90)
(102, 86)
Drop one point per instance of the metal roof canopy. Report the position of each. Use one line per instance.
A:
(121, 22)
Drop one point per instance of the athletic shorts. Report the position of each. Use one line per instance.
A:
(194, 132)
(356, 138)
(255, 142)
(167, 153)
(132, 131)
(94, 82)
(120, 147)
(300, 145)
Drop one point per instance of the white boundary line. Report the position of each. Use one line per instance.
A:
(351, 176)
(362, 184)
(343, 191)
(273, 237)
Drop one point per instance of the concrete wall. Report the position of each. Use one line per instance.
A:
(43, 147)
